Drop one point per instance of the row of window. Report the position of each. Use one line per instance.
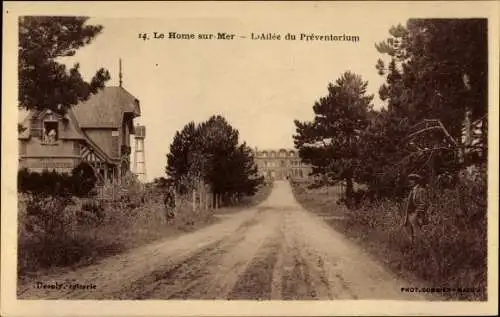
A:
(280, 163)
(275, 154)
(292, 173)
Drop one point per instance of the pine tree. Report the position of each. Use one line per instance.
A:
(44, 83)
(429, 76)
(210, 152)
(438, 70)
(178, 159)
(242, 173)
(331, 141)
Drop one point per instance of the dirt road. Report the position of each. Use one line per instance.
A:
(276, 250)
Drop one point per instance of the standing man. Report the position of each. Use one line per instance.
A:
(169, 202)
(416, 205)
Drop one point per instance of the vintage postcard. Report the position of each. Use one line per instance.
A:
(250, 158)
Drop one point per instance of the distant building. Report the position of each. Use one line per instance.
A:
(96, 131)
(281, 164)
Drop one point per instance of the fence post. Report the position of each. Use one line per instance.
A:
(194, 199)
(206, 199)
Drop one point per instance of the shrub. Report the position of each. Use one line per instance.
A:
(91, 212)
(451, 247)
(47, 214)
(43, 222)
(47, 183)
(83, 179)
(58, 231)
(80, 183)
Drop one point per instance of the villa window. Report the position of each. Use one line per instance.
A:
(50, 132)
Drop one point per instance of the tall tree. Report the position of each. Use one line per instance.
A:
(331, 141)
(44, 83)
(241, 172)
(437, 70)
(180, 158)
(383, 154)
(210, 152)
(218, 141)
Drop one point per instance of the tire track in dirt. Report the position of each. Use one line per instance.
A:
(226, 274)
(299, 279)
(277, 274)
(256, 281)
(319, 287)
(318, 264)
(174, 276)
(210, 273)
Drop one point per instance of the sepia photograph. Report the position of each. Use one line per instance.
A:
(233, 156)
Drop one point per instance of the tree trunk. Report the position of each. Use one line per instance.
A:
(206, 195)
(216, 196)
(349, 188)
(194, 200)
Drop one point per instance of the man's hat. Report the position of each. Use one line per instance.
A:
(415, 177)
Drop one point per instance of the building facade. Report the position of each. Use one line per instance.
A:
(281, 164)
(96, 131)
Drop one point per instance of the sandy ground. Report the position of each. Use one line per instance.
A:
(276, 250)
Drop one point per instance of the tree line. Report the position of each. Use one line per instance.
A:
(434, 69)
(210, 152)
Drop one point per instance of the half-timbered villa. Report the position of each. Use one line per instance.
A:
(96, 131)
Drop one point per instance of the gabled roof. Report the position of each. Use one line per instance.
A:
(70, 131)
(106, 108)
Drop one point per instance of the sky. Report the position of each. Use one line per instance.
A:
(259, 86)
